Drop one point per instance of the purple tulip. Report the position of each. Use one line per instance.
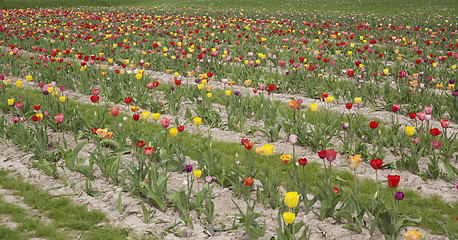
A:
(345, 125)
(188, 168)
(399, 196)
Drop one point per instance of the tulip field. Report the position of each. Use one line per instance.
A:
(195, 122)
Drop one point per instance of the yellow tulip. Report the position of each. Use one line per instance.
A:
(314, 107)
(197, 173)
(7, 81)
(145, 114)
(410, 130)
(291, 199)
(200, 86)
(355, 160)
(329, 99)
(197, 121)
(174, 132)
(11, 101)
(413, 235)
(19, 83)
(138, 76)
(40, 116)
(350, 53)
(247, 83)
(55, 93)
(453, 67)
(109, 135)
(62, 98)
(228, 92)
(289, 217)
(102, 132)
(28, 78)
(358, 100)
(209, 95)
(156, 116)
(50, 89)
(268, 149)
(385, 71)
(451, 86)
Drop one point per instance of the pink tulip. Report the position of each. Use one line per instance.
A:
(428, 110)
(445, 123)
(165, 122)
(59, 118)
(331, 155)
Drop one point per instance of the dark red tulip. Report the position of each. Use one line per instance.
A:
(376, 163)
(393, 180)
(373, 124)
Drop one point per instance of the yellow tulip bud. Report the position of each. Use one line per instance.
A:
(62, 98)
(228, 92)
(138, 76)
(200, 86)
(358, 100)
(28, 78)
(19, 83)
(209, 95)
(11, 101)
(329, 99)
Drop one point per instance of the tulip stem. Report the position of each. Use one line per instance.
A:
(325, 172)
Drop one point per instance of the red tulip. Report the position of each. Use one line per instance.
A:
(435, 132)
(178, 82)
(180, 128)
(336, 190)
(209, 75)
(393, 180)
(271, 87)
(248, 181)
(35, 118)
(19, 105)
(302, 161)
(149, 151)
(136, 117)
(36, 107)
(59, 118)
(396, 107)
(128, 100)
(155, 84)
(114, 111)
(94, 98)
(373, 124)
(322, 154)
(140, 144)
(96, 92)
(324, 96)
(376, 163)
(349, 106)
(94, 130)
(412, 115)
